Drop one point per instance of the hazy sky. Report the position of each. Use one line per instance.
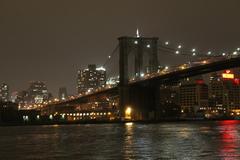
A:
(49, 40)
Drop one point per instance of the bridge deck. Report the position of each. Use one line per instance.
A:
(168, 77)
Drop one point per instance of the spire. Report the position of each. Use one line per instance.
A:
(137, 33)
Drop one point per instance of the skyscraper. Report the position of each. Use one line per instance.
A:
(90, 78)
(4, 92)
(62, 93)
(38, 92)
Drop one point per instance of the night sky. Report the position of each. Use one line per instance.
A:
(49, 40)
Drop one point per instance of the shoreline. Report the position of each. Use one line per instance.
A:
(112, 122)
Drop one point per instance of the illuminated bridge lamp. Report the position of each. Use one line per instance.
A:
(128, 113)
(179, 46)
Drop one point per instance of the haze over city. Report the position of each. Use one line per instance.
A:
(51, 40)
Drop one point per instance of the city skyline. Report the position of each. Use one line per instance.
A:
(40, 43)
(129, 79)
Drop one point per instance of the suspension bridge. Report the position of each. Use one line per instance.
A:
(135, 70)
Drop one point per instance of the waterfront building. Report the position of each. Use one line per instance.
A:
(193, 95)
(4, 92)
(8, 111)
(224, 91)
(90, 79)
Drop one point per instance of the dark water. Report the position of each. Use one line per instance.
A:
(176, 140)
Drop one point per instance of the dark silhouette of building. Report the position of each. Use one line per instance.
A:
(9, 112)
(169, 101)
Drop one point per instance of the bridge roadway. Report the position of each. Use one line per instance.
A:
(163, 79)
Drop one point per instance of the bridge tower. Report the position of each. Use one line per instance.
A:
(139, 46)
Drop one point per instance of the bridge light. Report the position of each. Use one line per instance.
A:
(148, 46)
(135, 42)
(209, 53)
(166, 43)
(235, 53)
(177, 52)
(194, 54)
(101, 68)
(193, 50)
(223, 54)
(179, 46)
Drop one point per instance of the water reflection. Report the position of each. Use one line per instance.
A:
(138, 141)
(128, 141)
(175, 140)
(230, 141)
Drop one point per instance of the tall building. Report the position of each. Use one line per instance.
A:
(215, 91)
(37, 92)
(169, 95)
(224, 90)
(4, 92)
(22, 98)
(62, 93)
(90, 78)
(193, 96)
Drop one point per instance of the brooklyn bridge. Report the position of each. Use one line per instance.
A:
(135, 73)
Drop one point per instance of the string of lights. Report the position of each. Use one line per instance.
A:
(179, 50)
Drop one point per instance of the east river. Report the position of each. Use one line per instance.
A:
(170, 140)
